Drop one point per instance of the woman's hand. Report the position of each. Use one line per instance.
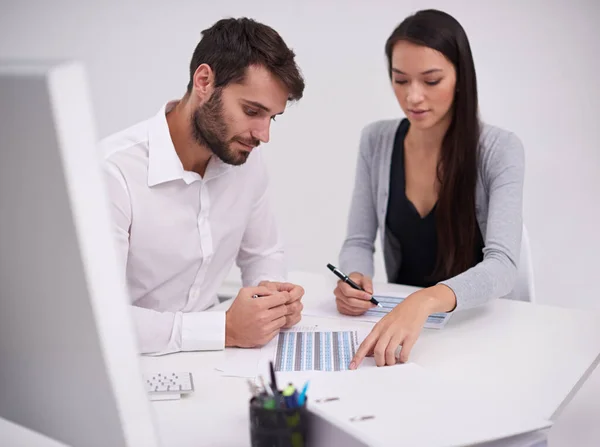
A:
(402, 326)
(350, 301)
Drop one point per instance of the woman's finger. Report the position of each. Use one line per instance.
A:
(407, 346)
(390, 351)
(380, 348)
(365, 347)
(347, 310)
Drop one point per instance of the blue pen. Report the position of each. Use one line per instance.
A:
(302, 396)
(288, 396)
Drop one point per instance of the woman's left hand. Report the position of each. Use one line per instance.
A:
(402, 326)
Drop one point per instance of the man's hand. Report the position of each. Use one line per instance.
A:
(294, 305)
(252, 322)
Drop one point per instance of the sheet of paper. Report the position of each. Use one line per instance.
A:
(242, 362)
(434, 321)
(315, 351)
(325, 307)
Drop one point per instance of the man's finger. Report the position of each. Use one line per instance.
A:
(272, 286)
(366, 346)
(276, 312)
(299, 307)
(266, 339)
(275, 325)
(297, 292)
(274, 300)
(261, 291)
(294, 308)
(292, 320)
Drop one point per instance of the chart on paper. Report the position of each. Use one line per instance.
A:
(315, 351)
(389, 302)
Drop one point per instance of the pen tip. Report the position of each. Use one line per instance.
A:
(379, 305)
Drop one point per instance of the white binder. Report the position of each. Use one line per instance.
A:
(406, 405)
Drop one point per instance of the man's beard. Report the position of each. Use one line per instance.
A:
(210, 130)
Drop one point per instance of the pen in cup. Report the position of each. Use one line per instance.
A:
(337, 272)
(302, 395)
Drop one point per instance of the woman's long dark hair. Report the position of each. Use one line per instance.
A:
(457, 168)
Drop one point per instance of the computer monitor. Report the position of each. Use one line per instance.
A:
(69, 367)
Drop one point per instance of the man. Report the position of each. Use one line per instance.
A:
(188, 190)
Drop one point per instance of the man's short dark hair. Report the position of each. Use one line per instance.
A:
(230, 46)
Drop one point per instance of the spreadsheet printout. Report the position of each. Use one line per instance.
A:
(315, 350)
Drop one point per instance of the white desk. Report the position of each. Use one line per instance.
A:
(536, 356)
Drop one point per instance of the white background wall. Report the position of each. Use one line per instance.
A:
(538, 63)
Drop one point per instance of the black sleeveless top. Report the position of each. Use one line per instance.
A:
(413, 235)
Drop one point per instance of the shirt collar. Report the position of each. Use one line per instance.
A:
(164, 164)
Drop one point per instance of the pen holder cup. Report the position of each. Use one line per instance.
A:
(278, 427)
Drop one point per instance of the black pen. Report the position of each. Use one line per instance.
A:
(348, 281)
(276, 393)
(273, 378)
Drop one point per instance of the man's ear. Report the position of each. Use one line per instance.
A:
(203, 81)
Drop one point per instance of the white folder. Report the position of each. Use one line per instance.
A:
(406, 405)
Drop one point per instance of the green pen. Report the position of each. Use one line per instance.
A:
(269, 403)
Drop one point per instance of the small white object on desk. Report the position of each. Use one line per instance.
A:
(169, 386)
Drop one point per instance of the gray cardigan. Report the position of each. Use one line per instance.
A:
(498, 203)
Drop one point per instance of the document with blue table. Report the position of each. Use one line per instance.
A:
(301, 348)
(388, 295)
(312, 348)
(315, 350)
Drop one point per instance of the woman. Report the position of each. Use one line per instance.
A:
(444, 190)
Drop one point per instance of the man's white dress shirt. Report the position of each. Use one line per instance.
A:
(178, 234)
